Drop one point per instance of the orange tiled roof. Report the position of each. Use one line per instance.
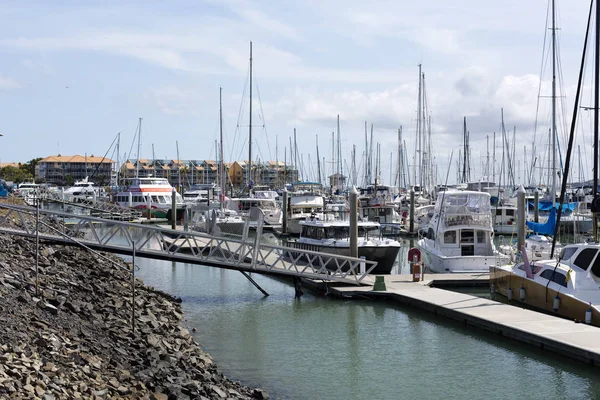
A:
(76, 159)
(9, 164)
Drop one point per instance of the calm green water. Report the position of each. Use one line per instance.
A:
(326, 348)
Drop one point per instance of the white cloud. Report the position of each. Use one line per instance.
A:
(8, 83)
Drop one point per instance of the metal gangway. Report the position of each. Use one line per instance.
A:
(245, 255)
(96, 208)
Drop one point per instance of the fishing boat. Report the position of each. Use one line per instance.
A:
(459, 234)
(153, 193)
(333, 237)
(568, 287)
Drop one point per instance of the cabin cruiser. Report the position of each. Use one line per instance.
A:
(333, 237)
(217, 221)
(198, 194)
(568, 287)
(28, 191)
(459, 234)
(305, 200)
(253, 209)
(153, 193)
(82, 190)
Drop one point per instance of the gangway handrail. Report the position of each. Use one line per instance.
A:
(98, 206)
(187, 246)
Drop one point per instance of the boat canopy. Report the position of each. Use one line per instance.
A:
(463, 202)
(547, 205)
(546, 228)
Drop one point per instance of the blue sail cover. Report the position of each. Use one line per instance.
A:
(547, 206)
(547, 228)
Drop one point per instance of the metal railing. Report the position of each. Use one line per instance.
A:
(246, 254)
(98, 208)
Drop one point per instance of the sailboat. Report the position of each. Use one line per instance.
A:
(570, 286)
(252, 207)
(218, 220)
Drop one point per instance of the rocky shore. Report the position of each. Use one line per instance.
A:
(74, 339)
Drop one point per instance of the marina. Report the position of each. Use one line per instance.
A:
(407, 206)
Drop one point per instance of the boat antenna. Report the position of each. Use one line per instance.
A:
(574, 123)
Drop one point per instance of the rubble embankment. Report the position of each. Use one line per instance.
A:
(74, 338)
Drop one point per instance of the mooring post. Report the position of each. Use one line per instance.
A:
(354, 223)
(149, 206)
(520, 218)
(186, 214)
(133, 288)
(173, 208)
(37, 244)
(298, 287)
(284, 211)
(536, 205)
(411, 224)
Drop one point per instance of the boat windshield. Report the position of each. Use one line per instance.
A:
(464, 203)
(343, 232)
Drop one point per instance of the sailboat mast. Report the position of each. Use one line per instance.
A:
(221, 164)
(139, 146)
(399, 161)
(318, 161)
(118, 157)
(295, 152)
(419, 133)
(553, 181)
(596, 121)
(339, 147)
(250, 126)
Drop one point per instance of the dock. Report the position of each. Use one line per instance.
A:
(568, 338)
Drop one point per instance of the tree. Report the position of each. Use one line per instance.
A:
(69, 180)
(29, 167)
(15, 174)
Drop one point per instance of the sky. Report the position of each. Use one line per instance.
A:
(75, 74)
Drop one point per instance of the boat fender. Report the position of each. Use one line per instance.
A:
(522, 293)
(588, 314)
(509, 294)
(556, 303)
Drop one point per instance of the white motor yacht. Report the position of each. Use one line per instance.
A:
(459, 234)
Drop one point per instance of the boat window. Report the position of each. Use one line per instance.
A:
(313, 232)
(596, 266)
(498, 211)
(450, 237)
(567, 252)
(155, 198)
(481, 236)
(467, 236)
(555, 276)
(430, 234)
(510, 212)
(338, 232)
(584, 259)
